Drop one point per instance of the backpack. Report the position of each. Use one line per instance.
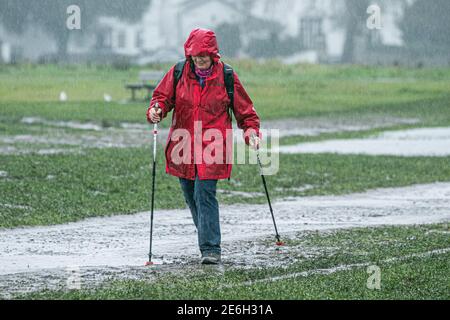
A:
(228, 79)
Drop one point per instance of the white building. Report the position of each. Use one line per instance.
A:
(310, 18)
(30, 45)
(165, 26)
(161, 32)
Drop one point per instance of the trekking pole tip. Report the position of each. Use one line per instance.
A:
(279, 242)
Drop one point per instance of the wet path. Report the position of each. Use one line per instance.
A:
(119, 245)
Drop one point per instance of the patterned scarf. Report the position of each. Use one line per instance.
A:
(203, 74)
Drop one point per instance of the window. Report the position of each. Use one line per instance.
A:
(311, 34)
(140, 39)
(121, 39)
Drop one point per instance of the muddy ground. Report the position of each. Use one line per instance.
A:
(55, 137)
(35, 258)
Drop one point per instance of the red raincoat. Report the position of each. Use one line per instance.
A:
(205, 108)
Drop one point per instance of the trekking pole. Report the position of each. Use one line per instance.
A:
(277, 235)
(155, 134)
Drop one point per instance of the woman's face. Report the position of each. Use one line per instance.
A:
(202, 62)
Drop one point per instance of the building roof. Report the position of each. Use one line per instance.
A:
(192, 4)
(252, 23)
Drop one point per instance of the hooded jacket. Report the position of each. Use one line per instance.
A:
(200, 139)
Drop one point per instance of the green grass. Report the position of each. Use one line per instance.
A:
(34, 83)
(100, 182)
(112, 181)
(405, 277)
(53, 189)
(278, 92)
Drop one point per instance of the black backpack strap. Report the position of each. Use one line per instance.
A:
(229, 84)
(177, 73)
(228, 75)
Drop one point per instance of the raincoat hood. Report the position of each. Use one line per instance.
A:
(202, 41)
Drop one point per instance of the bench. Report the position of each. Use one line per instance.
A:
(149, 81)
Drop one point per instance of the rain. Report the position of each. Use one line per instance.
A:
(348, 105)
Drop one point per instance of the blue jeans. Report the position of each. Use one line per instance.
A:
(200, 196)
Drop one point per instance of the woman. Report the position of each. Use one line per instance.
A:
(201, 103)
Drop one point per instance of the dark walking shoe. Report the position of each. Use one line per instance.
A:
(211, 258)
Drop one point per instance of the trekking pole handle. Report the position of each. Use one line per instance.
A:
(155, 134)
(253, 137)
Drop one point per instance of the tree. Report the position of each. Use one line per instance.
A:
(353, 17)
(426, 25)
(355, 21)
(17, 15)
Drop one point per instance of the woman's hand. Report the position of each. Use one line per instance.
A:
(154, 114)
(254, 142)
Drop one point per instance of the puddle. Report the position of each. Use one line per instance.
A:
(340, 268)
(129, 135)
(14, 206)
(298, 189)
(409, 143)
(59, 138)
(9, 150)
(62, 124)
(101, 245)
(317, 126)
(230, 193)
(287, 127)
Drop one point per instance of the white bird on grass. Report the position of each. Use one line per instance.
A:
(63, 96)
(107, 97)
